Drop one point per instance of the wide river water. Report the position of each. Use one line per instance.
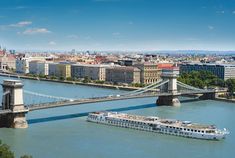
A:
(64, 133)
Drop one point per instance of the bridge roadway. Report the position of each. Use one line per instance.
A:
(5, 111)
(84, 101)
(113, 98)
(33, 107)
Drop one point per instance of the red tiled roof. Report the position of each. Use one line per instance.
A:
(165, 65)
(2, 53)
(171, 68)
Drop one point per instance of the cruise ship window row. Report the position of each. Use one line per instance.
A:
(185, 129)
(127, 124)
(143, 125)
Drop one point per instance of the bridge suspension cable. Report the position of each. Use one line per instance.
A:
(147, 88)
(47, 96)
(5, 93)
(151, 88)
(141, 89)
(188, 86)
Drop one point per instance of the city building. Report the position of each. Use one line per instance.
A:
(126, 62)
(7, 61)
(150, 73)
(38, 68)
(223, 71)
(165, 65)
(123, 74)
(60, 70)
(22, 63)
(94, 72)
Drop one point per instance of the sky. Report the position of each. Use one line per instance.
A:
(121, 25)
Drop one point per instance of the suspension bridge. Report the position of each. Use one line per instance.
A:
(167, 90)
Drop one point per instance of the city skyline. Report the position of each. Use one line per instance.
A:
(117, 25)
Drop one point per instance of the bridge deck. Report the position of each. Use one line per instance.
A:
(105, 99)
(82, 101)
(2, 112)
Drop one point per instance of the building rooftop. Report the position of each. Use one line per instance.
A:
(211, 64)
(128, 68)
(91, 65)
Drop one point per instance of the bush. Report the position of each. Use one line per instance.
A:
(5, 152)
(53, 77)
(69, 79)
(61, 78)
(99, 82)
(86, 79)
(42, 76)
(230, 84)
(138, 85)
(26, 156)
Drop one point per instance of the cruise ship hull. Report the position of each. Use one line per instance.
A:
(157, 128)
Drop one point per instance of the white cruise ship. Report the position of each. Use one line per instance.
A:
(159, 125)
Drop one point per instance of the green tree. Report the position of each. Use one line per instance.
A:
(86, 79)
(201, 79)
(26, 156)
(53, 77)
(61, 78)
(138, 85)
(197, 83)
(99, 82)
(5, 151)
(69, 79)
(42, 76)
(230, 84)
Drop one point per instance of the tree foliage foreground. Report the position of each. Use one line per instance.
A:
(6, 152)
(201, 79)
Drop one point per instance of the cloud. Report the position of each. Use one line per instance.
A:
(1, 16)
(87, 38)
(220, 12)
(21, 7)
(233, 12)
(191, 39)
(115, 33)
(34, 31)
(130, 23)
(21, 24)
(72, 36)
(15, 8)
(106, 0)
(52, 43)
(211, 27)
(2, 27)
(73, 11)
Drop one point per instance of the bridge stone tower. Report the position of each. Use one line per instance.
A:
(171, 87)
(12, 101)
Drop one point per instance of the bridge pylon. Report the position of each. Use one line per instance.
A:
(12, 100)
(171, 88)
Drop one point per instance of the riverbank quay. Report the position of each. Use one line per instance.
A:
(225, 100)
(70, 82)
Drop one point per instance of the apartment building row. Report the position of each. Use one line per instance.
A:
(223, 71)
(140, 73)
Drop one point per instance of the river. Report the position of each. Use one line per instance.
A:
(64, 133)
